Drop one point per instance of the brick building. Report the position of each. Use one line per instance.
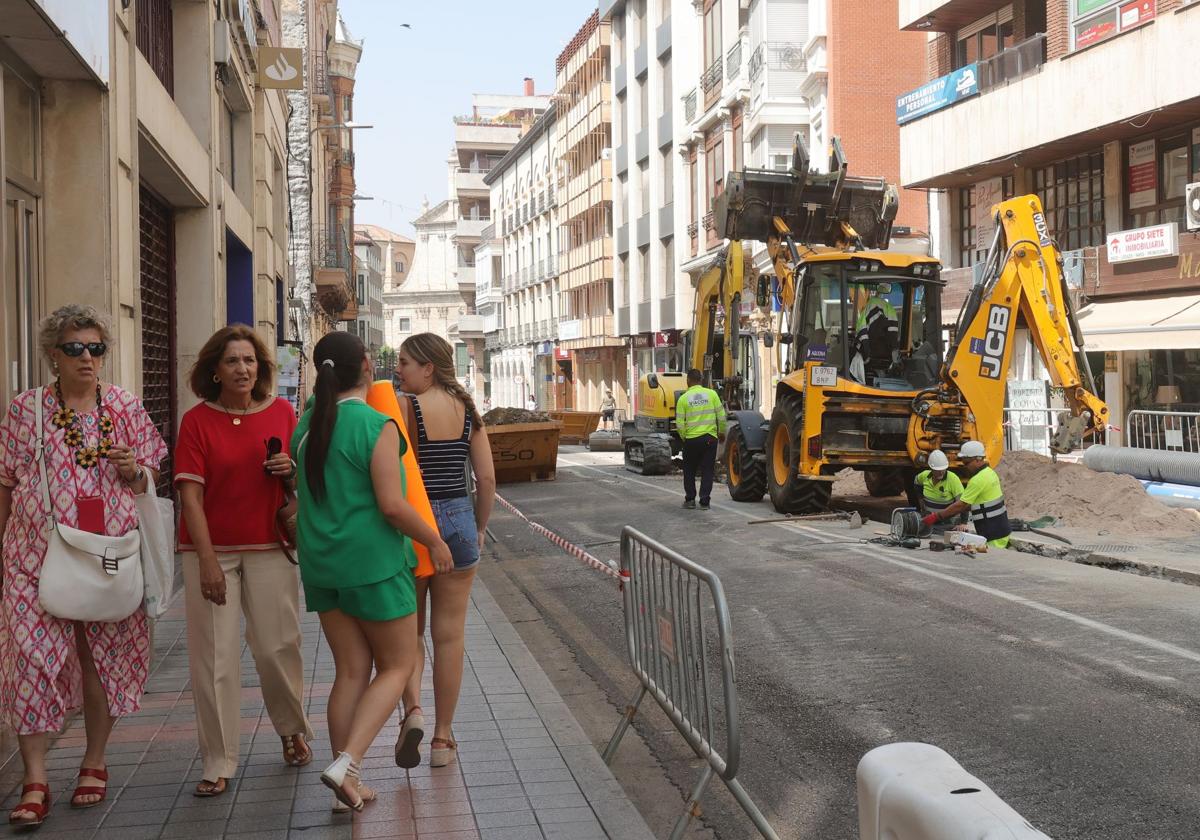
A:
(1086, 104)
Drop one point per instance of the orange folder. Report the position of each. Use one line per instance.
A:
(382, 398)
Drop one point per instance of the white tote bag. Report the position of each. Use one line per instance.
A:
(156, 518)
(86, 576)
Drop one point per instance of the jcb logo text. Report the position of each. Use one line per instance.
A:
(994, 341)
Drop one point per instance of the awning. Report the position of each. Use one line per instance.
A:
(1170, 323)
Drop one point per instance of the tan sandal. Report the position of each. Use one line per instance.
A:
(365, 792)
(441, 751)
(208, 789)
(296, 752)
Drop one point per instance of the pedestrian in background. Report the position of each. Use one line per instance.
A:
(449, 437)
(97, 439)
(356, 560)
(531, 403)
(231, 468)
(700, 421)
(608, 408)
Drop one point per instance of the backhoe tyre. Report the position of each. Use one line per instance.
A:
(745, 475)
(791, 493)
(885, 482)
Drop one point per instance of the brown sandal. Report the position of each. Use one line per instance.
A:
(207, 789)
(38, 809)
(100, 775)
(296, 752)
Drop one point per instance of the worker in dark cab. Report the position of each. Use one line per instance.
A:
(700, 422)
(983, 497)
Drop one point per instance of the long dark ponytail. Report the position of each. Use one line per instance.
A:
(338, 358)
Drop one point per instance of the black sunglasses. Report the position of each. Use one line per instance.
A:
(76, 348)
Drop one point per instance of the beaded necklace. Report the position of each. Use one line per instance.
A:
(76, 438)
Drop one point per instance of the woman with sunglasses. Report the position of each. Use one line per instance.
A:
(96, 439)
(231, 468)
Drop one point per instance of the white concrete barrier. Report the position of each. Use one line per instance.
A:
(918, 792)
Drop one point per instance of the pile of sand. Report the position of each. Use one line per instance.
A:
(1036, 486)
(512, 416)
(850, 483)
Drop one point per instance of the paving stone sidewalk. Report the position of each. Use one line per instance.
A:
(526, 771)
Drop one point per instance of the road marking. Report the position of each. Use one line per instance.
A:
(876, 554)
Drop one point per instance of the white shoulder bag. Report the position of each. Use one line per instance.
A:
(156, 518)
(86, 576)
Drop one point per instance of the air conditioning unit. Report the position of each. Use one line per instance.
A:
(221, 44)
(1193, 206)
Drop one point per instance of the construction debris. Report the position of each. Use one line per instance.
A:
(513, 416)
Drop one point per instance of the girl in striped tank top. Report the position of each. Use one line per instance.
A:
(449, 434)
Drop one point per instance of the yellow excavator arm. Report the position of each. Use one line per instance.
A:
(1023, 275)
(722, 284)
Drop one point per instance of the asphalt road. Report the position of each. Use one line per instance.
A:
(1074, 692)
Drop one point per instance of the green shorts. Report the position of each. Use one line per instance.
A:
(393, 597)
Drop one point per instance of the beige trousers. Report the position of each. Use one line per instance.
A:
(265, 587)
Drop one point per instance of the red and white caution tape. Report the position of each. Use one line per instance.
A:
(570, 548)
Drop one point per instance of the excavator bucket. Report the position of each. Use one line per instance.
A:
(814, 205)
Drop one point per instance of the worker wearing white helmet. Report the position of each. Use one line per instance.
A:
(939, 487)
(983, 497)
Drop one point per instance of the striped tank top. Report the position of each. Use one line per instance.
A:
(443, 463)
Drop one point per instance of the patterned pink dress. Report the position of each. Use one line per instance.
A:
(40, 677)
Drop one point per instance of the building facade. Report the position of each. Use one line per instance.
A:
(396, 255)
(142, 172)
(481, 139)
(428, 299)
(590, 358)
(522, 186)
(368, 292)
(321, 171)
(1110, 147)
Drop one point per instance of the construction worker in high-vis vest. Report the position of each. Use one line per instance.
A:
(700, 422)
(983, 497)
(939, 487)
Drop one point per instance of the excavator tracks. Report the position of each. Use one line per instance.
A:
(648, 456)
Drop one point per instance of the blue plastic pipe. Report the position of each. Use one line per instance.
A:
(1174, 495)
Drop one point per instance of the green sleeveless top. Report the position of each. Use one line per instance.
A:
(343, 539)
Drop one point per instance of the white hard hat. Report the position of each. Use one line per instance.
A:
(938, 460)
(972, 449)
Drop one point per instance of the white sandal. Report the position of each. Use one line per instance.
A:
(334, 777)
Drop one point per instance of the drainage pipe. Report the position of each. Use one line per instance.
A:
(1174, 495)
(1145, 464)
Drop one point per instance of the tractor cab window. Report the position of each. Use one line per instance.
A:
(821, 318)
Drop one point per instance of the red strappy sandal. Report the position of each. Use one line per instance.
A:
(100, 775)
(39, 809)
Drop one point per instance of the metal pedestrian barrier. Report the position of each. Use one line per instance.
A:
(680, 645)
(1169, 431)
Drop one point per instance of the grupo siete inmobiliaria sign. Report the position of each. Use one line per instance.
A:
(938, 94)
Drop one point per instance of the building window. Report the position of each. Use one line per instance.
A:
(644, 186)
(1094, 20)
(362, 289)
(668, 178)
(970, 247)
(984, 38)
(460, 360)
(668, 266)
(1157, 172)
(1072, 193)
(712, 31)
(399, 266)
(404, 325)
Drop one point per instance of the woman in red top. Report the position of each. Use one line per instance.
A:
(231, 486)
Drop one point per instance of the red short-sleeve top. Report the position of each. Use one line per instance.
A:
(240, 499)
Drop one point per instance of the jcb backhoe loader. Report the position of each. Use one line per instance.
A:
(865, 381)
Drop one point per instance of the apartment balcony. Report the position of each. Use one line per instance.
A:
(471, 229)
(465, 276)
(492, 341)
(470, 325)
(341, 181)
(710, 83)
(689, 106)
(469, 183)
(733, 62)
(333, 266)
(987, 138)
(776, 70)
(944, 15)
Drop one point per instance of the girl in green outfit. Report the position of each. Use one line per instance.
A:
(356, 560)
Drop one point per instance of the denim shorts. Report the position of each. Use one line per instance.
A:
(456, 523)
